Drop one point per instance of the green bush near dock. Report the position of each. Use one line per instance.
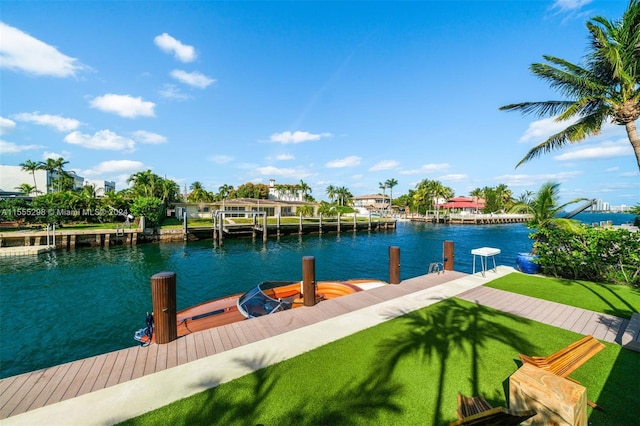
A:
(407, 371)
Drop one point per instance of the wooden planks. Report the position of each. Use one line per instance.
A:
(603, 326)
(32, 390)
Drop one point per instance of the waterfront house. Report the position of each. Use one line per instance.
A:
(205, 210)
(371, 202)
(464, 205)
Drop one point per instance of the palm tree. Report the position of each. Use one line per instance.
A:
(343, 195)
(50, 166)
(31, 167)
(605, 89)
(545, 209)
(390, 183)
(224, 191)
(144, 183)
(198, 193)
(331, 192)
(306, 189)
(26, 189)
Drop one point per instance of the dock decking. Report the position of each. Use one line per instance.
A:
(100, 380)
(29, 391)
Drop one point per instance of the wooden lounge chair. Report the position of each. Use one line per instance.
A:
(477, 411)
(568, 359)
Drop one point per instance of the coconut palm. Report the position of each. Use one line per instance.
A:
(198, 193)
(343, 195)
(31, 167)
(605, 89)
(306, 189)
(26, 189)
(390, 183)
(331, 192)
(545, 210)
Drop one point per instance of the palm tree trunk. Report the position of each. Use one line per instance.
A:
(632, 132)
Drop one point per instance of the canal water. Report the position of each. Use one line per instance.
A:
(68, 305)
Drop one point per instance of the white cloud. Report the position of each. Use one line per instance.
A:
(384, 165)
(453, 177)
(22, 52)
(297, 137)
(221, 159)
(533, 181)
(58, 122)
(427, 168)
(54, 155)
(289, 173)
(569, 5)
(149, 137)
(194, 78)
(103, 139)
(115, 166)
(181, 52)
(540, 130)
(285, 157)
(6, 125)
(124, 105)
(621, 148)
(344, 162)
(171, 91)
(12, 148)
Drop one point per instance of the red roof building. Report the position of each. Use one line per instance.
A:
(470, 204)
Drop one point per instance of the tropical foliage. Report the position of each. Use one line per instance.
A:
(545, 208)
(428, 193)
(594, 254)
(605, 89)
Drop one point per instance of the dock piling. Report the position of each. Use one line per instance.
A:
(309, 280)
(163, 295)
(394, 265)
(447, 255)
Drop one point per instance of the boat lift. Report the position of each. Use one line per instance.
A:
(581, 208)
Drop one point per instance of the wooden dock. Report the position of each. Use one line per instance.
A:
(30, 391)
(471, 219)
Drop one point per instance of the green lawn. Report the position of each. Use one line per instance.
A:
(407, 371)
(618, 300)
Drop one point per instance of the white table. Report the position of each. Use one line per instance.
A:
(485, 253)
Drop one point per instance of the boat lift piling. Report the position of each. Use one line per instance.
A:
(163, 296)
(309, 280)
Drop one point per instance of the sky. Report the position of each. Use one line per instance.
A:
(332, 93)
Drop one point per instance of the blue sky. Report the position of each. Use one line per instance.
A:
(331, 93)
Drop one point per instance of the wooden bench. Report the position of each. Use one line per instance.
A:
(477, 411)
(568, 359)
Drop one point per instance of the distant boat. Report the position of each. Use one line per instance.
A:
(268, 297)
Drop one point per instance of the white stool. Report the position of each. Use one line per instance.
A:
(485, 253)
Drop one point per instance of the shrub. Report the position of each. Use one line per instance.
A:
(595, 254)
(150, 208)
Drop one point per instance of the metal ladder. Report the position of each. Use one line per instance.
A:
(436, 268)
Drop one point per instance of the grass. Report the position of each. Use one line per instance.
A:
(618, 300)
(407, 371)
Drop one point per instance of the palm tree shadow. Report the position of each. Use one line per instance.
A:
(441, 330)
(361, 401)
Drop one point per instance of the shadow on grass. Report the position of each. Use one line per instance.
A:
(619, 395)
(613, 310)
(250, 401)
(440, 331)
